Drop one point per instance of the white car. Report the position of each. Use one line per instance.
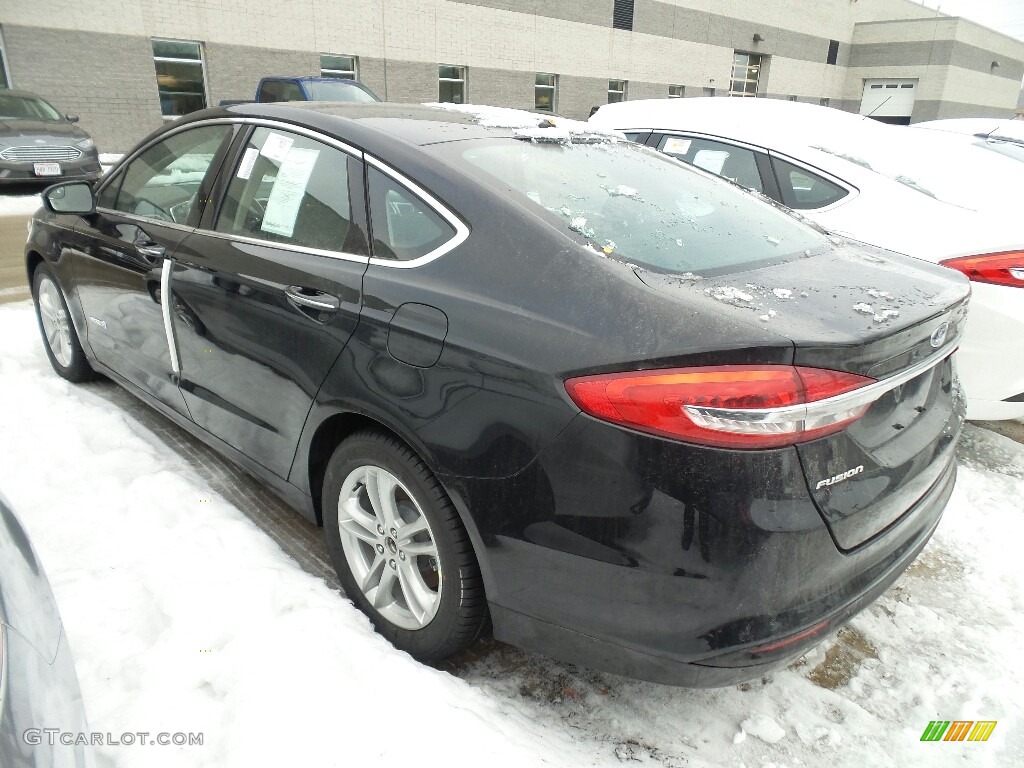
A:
(997, 135)
(928, 194)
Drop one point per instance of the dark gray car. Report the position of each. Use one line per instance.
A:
(38, 684)
(38, 143)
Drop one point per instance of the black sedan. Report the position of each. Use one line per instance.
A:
(37, 143)
(632, 415)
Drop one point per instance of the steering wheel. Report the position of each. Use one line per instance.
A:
(148, 208)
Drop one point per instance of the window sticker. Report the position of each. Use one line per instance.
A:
(248, 161)
(676, 146)
(276, 147)
(289, 190)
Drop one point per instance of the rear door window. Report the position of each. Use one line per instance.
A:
(292, 189)
(404, 226)
(163, 182)
(803, 190)
(737, 164)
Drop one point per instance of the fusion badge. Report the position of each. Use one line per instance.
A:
(839, 478)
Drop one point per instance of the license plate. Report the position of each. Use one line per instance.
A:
(47, 169)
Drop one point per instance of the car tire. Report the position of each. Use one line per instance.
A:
(403, 557)
(60, 339)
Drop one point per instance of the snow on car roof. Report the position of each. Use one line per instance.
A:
(533, 125)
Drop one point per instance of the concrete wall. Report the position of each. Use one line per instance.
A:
(64, 50)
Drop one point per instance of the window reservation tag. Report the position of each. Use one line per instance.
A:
(276, 147)
(248, 161)
(288, 192)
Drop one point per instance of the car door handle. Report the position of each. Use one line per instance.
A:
(312, 298)
(150, 250)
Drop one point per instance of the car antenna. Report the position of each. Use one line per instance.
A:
(872, 112)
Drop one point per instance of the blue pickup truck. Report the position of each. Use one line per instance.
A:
(308, 89)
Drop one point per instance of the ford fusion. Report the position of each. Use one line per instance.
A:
(532, 376)
(38, 143)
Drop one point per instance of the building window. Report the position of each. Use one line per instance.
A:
(792, 98)
(746, 69)
(709, 91)
(341, 67)
(676, 91)
(451, 84)
(833, 52)
(544, 92)
(622, 15)
(5, 79)
(616, 91)
(823, 102)
(180, 77)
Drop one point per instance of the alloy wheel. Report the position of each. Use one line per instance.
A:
(56, 323)
(389, 547)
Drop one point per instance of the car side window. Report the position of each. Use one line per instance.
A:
(803, 190)
(291, 189)
(404, 227)
(734, 163)
(163, 182)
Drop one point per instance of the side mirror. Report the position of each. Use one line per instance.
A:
(70, 197)
(71, 118)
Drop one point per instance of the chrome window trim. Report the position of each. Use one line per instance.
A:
(145, 220)
(165, 308)
(257, 121)
(831, 405)
(124, 161)
(341, 255)
(461, 230)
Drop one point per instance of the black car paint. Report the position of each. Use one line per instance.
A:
(626, 551)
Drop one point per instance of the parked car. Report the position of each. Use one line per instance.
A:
(989, 128)
(38, 684)
(1003, 136)
(37, 143)
(639, 418)
(276, 89)
(921, 193)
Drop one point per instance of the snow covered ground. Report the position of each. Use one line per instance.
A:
(184, 616)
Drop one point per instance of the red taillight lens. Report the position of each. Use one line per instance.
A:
(730, 406)
(996, 268)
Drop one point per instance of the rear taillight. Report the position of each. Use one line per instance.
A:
(730, 406)
(996, 268)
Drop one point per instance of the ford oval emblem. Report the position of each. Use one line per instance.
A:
(939, 335)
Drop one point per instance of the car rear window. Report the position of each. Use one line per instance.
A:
(638, 205)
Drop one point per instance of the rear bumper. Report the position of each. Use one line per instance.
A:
(729, 668)
(672, 563)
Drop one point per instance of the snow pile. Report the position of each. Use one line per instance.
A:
(184, 616)
(19, 205)
(533, 126)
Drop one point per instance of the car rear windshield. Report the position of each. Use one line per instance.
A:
(339, 91)
(26, 108)
(637, 205)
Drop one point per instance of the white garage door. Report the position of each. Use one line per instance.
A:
(888, 98)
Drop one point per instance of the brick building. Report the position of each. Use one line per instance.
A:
(126, 65)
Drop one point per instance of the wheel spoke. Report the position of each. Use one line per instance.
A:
(51, 337)
(352, 512)
(407, 531)
(382, 595)
(416, 548)
(419, 599)
(373, 576)
(381, 488)
(65, 348)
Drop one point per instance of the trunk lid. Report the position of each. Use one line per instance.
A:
(875, 314)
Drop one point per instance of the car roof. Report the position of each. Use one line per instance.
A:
(315, 79)
(13, 92)
(369, 123)
(769, 123)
